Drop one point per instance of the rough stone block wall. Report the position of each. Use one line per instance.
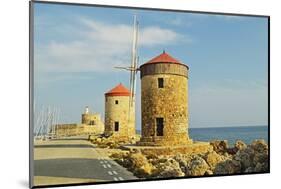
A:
(87, 118)
(77, 129)
(67, 129)
(170, 103)
(119, 112)
(98, 127)
(199, 148)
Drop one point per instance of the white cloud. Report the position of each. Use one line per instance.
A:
(97, 47)
(157, 36)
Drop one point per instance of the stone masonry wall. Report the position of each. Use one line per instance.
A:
(170, 103)
(93, 120)
(87, 118)
(119, 113)
(77, 129)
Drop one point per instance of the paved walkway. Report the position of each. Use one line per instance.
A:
(74, 160)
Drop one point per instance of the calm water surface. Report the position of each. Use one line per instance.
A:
(246, 133)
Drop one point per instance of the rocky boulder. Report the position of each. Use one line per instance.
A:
(140, 165)
(213, 158)
(168, 168)
(219, 146)
(228, 167)
(259, 146)
(197, 167)
(253, 158)
(240, 145)
(245, 157)
(183, 161)
(122, 159)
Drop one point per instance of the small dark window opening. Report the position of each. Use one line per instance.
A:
(160, 82)
(116, 126)
(160, 126)
(116, 101)
(92, 122)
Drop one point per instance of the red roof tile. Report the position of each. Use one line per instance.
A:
(119, 90)
(163, 58)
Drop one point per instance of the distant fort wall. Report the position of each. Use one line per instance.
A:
(74, 129)
(90, 119)
(91, 124)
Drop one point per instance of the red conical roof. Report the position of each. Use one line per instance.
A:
(163, 58)
(119, 90)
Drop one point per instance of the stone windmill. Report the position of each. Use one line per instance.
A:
(127, 130)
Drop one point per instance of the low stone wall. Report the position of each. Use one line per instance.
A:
(175, 140)
(77, 129)
(193, 148)
(112, 141)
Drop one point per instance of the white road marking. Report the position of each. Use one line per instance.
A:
(104, 166)
(101, 161)
(114, 172)
(115, 178)
(108, 165)
(105, 161)
(110, 173)
(120, 178)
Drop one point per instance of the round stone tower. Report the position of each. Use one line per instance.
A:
(119, 115)
(86, 117)
(164, 102)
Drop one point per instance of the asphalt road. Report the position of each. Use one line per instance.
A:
(74, 160)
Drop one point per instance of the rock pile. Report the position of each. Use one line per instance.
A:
(222, 160)
(110, 142)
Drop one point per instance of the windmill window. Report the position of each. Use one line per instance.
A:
(116, 102)
(116, 126)
(160, 82)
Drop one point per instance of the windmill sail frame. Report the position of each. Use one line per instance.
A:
(134, 62)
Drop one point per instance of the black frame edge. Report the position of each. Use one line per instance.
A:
(31, 96)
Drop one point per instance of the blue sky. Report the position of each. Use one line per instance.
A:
(76, 48)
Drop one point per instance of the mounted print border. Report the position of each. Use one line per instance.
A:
(130, 94)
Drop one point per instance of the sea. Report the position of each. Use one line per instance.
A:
(245, 133)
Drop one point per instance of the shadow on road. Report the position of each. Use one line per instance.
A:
(64, 146)
(70, 168)
(62, 139)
